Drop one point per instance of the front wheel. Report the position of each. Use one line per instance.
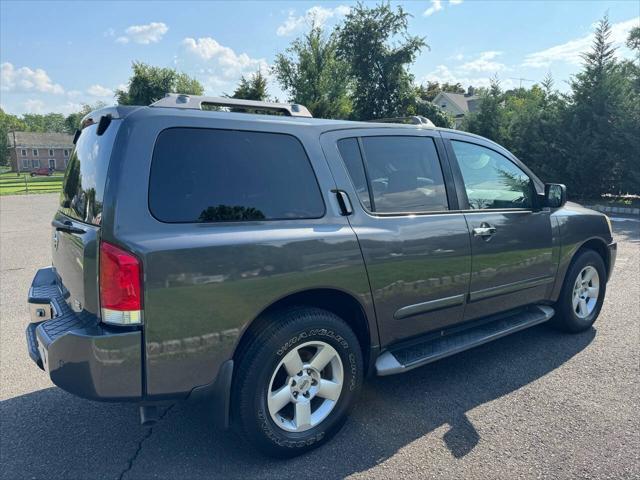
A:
(296, 382)
(582, 293)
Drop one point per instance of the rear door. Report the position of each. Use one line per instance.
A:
(76, 225)
(511, 240)
(415, 247)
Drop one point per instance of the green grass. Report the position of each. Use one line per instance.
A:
(14, 184)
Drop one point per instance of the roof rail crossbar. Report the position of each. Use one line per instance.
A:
(195, 102)
(413, 120)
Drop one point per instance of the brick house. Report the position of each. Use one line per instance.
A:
(29, 150)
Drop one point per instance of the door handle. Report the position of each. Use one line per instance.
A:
(343, 202)
(484, 230)
(66, 226)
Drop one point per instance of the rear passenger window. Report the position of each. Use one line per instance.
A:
(207, 175)
(401, 174)
(350, 152)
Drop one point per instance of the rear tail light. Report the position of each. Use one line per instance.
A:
(120, 286)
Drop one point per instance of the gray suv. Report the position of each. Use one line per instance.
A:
(268, 263)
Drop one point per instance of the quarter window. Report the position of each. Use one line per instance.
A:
(208, 175)
(492, 180)
(399, 174)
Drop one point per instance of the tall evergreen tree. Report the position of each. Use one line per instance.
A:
(597, 162)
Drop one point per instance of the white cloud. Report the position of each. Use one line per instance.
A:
(34, 106)
(109, 32)
(436, 6)
(99, 91)
(455, 2)
(570, 52)
(484, 63)
(320, 15)
(143, 34)
(443, 74)
(230, 64)
(24, 79)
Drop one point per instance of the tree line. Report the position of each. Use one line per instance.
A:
(588, 137)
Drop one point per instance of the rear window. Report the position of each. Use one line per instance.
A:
(86, 174)
(208, 175)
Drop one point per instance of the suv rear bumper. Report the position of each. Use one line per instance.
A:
(80, 354)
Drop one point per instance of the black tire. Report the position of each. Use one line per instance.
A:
(33, 174)
(285, 331)
(566, 318)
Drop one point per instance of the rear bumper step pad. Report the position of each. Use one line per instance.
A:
(80, 354)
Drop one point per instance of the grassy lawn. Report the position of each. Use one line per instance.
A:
(14, 184)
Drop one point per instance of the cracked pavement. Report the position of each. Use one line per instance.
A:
(535, 404)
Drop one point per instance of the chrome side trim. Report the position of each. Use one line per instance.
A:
(419, 308)
(509, 288)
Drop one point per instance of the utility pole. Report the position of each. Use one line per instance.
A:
(521, 80)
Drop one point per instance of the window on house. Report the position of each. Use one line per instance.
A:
(25, 164)
(35, 163)
(35, 152)
(66, 153)
(51, 152)
(52, 163)
(23, 152)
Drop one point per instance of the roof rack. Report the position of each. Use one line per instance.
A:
(195, 102)
(413, 120)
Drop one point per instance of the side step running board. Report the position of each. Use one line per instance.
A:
(403, 359)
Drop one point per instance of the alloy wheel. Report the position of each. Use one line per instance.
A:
(305, 386)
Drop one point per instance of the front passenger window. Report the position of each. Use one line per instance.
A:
(492, 180)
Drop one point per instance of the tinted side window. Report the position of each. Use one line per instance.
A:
(350, 152)
(207, 175)
(492, 180)
(86, 174)
(404, 174)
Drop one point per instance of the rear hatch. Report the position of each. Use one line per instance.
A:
(76, 224)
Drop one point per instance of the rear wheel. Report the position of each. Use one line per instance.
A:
(296, 382)
(582, 293)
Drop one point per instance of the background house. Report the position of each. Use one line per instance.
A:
(29, 150)
(457, 104)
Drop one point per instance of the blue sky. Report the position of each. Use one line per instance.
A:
(57, 55)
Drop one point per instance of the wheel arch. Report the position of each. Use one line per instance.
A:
(339, 302)
(597, 244)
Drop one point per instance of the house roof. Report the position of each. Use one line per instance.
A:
(464, 103)
(40, 140)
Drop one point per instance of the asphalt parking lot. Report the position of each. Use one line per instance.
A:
(538, 404)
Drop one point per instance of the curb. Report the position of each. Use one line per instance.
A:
(622, 210)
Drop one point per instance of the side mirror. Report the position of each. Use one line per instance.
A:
(555, 195)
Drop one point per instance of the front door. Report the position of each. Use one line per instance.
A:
(52, 164)
(511, 240)
(416, 249)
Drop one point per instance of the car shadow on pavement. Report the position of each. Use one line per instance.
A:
(52, 434)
